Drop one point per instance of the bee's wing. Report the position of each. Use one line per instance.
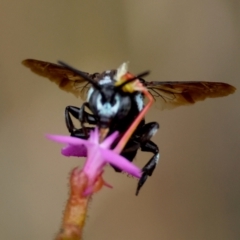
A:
(64, 78)
(169, 95)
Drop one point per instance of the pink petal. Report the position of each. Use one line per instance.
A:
(75, 146)
(75, 151)
(109, 140)
(94, 136)
(69, 140)
(121, 162)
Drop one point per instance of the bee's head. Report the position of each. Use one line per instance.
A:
(107, 102)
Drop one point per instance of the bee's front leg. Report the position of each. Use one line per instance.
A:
(86, 117)
(81, 115)
(74, 111)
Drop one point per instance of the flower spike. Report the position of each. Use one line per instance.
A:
(98, 156)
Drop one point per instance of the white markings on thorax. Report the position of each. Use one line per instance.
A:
(139, 101)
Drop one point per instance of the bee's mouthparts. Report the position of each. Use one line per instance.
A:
(103, 133)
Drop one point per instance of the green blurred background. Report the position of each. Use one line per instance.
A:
(194, 193)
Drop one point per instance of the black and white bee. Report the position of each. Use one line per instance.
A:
(111, 108)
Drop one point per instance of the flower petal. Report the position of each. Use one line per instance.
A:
(94, 136)
(75, 151)
(109, 140)
(121, 162)
(69, 140)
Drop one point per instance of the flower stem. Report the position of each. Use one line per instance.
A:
(76, 208)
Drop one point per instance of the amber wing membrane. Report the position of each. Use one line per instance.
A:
(173, 94)
(167, 95)
(64, 78)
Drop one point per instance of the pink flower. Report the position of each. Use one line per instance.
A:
(98, 155)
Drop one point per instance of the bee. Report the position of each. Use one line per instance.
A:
(111, 108)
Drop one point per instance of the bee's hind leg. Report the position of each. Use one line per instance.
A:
(145, 134)
(148, 169)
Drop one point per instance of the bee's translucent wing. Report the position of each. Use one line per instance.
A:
(64, 78)
(169, 95)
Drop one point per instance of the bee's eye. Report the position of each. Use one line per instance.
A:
(99, 100)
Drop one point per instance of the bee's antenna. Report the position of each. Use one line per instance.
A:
(80, 73)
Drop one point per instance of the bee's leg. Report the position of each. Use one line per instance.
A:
(75, 113)
(81, 115)
(80, 133)
(86, 117)
(148, 169)
(129, 152)
(145, 134)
